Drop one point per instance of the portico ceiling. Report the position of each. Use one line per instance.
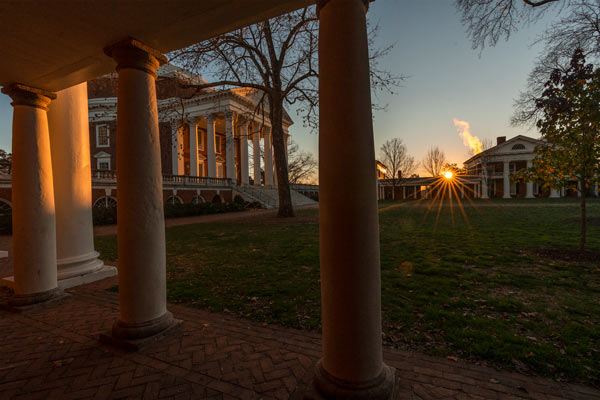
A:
(53, 44)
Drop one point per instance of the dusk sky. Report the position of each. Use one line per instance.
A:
(447, 79)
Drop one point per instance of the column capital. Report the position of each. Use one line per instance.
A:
(193, 120)
(229, 114)
(323, 3)
(211, 117)
(131, 53)
(23, 95)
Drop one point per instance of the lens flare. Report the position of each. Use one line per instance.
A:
(448, 174)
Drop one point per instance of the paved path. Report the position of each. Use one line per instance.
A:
(54, 353)
(201, 219)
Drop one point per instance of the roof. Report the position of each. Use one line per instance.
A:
(495, 148)
(55, 44)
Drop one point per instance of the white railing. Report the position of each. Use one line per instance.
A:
(105, 176)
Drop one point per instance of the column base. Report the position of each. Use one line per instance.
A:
(105, 271)
(133, 337)
(23, 302)
(326, 386)
(77, 266)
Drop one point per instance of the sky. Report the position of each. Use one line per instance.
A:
(446, 80)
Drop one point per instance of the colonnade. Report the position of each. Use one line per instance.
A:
(352, 365)
(237, 126)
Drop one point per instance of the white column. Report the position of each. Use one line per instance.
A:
(33, 213)
(141, 227)
(462, 190)
(244, 153)
(176, 151)
(68, 121)
(506, 179)
(529, 184)
(268, 148)
(211, 160)
(352, 364)
(554, 193)
(229, 147)
(193, 123)
(256, 150)
(484, 182)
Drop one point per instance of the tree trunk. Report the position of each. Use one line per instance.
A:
(583, 218)
(286, 208)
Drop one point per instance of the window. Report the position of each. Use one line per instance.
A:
(174, 200)
(218, 144)
(103, 163)
(102, 136)
(518, 146)
(5, 208)
(105, 202)
(201, 169)
(198, 200)
(220, 170)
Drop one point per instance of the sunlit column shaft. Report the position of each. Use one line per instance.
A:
(33, 213)
(193, 123)
(141, 229)
(70, 141)
(211, 160)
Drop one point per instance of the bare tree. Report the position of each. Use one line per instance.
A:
(400, 165)
(434, 161)
(277, 58)
(488, 21)
(577, 26)
(302, 164)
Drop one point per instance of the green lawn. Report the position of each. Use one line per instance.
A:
(486, 285)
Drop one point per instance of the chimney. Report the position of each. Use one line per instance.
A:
(500, 140)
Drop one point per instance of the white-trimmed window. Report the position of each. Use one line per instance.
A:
(103, 161)
(218, 144)
(220, 168)
(201, 168)
(102, 136)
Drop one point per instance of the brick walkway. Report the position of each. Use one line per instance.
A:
(54, 353)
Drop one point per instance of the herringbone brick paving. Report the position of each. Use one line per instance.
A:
(53, 353)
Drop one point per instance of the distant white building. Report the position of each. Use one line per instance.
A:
(487, 175)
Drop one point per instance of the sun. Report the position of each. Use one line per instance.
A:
(448, 174)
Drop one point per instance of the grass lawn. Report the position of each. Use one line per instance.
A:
(490, 285)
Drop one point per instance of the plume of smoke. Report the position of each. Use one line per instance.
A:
(472, 142)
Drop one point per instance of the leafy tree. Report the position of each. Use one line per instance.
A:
(5, 162)
(278, 58)
(570, 124)
(400, 165)
(434, 161)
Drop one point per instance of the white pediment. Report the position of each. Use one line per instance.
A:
(102, 154)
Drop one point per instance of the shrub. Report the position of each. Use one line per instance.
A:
(104, 215)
